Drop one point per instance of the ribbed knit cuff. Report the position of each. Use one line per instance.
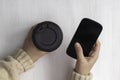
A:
(77, 76)
(24, 59)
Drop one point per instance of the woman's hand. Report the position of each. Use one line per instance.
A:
(30, 48)
(84, 64)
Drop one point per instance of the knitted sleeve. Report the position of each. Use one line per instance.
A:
(13, 66)
(77, 76)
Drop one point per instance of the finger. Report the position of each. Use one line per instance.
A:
(91, 52)
(96, 49)
(30, 32)
(29, 35)
(79, 51)
(97, 46)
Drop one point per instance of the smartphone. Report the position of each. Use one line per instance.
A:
(87, 33)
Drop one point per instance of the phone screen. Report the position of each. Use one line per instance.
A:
(87, 33)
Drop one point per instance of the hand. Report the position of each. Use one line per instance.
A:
(85, 64)
(30, 48)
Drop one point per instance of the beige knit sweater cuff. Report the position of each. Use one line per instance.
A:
(77, 76)
(24, 59)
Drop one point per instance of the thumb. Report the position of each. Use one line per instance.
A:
(29, 35)
(79, 51)
(31, 31)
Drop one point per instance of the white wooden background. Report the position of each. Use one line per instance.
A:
(18, 16)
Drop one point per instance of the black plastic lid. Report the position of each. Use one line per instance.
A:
(47, 36)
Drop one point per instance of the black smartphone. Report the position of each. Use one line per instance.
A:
(87, 33)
